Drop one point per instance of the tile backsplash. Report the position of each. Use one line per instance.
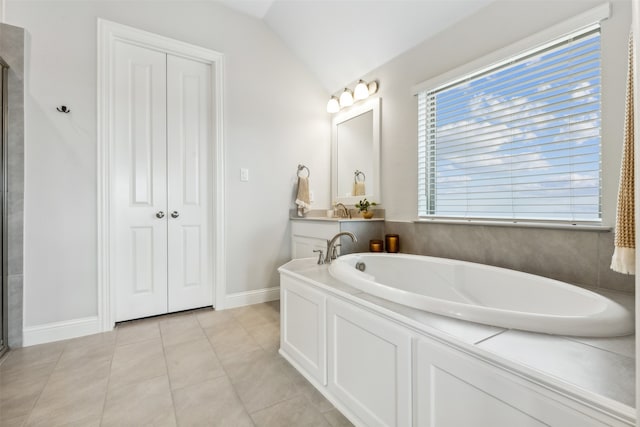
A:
(12, 51)
(581, 257)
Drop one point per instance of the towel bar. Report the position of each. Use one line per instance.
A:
(301, 168)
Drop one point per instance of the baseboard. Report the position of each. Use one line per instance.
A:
(58, 331)
(240, 299)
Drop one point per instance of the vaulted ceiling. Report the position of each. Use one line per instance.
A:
(341, 40)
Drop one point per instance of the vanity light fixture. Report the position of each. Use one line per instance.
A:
(346, 99)
(333, 106)
(362, 91)
(372, 87)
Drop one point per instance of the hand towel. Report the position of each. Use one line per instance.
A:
(624, 255)
(358, 188)
(302, 197)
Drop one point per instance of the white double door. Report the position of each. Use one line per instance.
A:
(161, 135)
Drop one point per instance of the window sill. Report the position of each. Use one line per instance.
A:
(523, 224)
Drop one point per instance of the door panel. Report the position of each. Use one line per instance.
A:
(188, 137)
(142, 262)
(192, 268)
(139, 185)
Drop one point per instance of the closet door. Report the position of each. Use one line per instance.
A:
(139, 186)
(189, 111)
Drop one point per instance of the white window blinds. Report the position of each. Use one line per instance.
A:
(518, 141)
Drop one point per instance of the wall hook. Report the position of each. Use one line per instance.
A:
(63, 109)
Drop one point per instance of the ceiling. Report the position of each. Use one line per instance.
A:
(341, 40)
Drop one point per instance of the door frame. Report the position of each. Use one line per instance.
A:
(108, 33)
(4, 244)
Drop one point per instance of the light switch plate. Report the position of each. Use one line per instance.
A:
(244, 174)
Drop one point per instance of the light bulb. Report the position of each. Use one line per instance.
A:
(361, 91)
(372, 87)
(346, 99)
(333, 106)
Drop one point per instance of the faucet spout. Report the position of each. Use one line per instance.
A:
(347, 214)
(331, 244)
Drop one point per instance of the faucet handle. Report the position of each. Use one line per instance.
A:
(334, 251)
(320, 256)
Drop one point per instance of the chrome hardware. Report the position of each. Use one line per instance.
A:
(301, 168)
(361, 266)
(331, 244)
(320, 256)
(347, 213)
(175, 214)
(334, 254)
(160, 214)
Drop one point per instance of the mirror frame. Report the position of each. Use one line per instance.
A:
(373, 183)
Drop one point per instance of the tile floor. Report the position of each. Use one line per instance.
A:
(201, 368)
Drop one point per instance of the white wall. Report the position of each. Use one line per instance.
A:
(275, 118)
(496, 26)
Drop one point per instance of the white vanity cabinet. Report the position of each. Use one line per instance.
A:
(454, 388)
(369, 366)
(309, 235)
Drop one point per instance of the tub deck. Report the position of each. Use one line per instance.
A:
(604, 368)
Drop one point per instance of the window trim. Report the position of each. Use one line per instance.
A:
(536, 41)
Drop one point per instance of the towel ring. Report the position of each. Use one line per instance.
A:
(301, 168)
(358, 174)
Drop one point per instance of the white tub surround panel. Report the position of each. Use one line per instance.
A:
(308, 307)
(369, 365)
(448, 380)
(392, 365)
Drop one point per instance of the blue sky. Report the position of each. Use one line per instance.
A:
(523, 139)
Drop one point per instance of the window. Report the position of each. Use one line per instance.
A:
(517, 141)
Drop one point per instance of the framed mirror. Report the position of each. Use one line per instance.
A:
(355, 154)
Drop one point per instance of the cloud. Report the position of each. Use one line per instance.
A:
(500, 137)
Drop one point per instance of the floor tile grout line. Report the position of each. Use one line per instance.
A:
(111, 367)
(235, 391)
(298, 394)
(114, 346)
(166, 368)
(113, 356)
(35, 403)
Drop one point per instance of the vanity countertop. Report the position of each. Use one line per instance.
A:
(604, 368)
(333, 219)
(320, 215)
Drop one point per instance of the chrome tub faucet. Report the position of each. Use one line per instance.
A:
(331, 245)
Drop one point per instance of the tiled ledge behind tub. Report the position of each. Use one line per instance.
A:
(581, 257)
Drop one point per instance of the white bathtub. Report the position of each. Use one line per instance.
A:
(485, 294)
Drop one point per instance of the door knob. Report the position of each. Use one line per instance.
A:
(159, 214)
(175, 214)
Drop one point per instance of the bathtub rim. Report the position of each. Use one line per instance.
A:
(613, 321)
